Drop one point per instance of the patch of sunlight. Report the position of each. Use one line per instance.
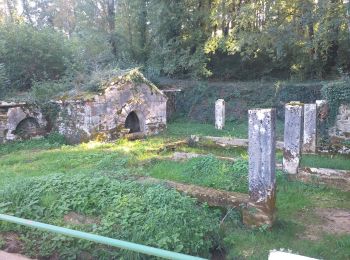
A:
(91, 145)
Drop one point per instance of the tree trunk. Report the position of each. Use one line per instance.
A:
(111, 25)
(143, 30)
(332, 53)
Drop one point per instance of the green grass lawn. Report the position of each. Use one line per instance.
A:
(45, 180)
(236, 129)
(340, 162)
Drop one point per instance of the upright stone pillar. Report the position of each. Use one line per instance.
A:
(309, 137)
(322, 117)
(220, 114)
(292, 137)
(262, 181)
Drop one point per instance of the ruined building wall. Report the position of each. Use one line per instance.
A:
(20, 121)
(342, 125)
(105, 115)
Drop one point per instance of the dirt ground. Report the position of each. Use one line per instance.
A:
(330, 221)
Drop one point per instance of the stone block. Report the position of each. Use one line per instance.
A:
(220, 114)
(309, 136)
(260, 210)
(292, 137)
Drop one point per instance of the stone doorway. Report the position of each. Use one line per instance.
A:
(27, 128)
(132, 122)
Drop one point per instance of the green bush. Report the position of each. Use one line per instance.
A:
(151, 215)
(305, 92)
(4, 81)
(44, 91)
(32, 54)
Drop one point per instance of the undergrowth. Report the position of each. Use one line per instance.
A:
(205, 171)
(151, 215)
(91, 179)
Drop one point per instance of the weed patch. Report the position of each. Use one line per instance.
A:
(151, 215)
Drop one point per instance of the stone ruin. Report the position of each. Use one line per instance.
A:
(127, 104)
(306, 125)
(340, 133)
(20, 121)
(343, 121)
(261, 210)
(220, 114)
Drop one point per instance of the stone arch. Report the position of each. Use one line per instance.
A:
(132, 122)
(27, 128)
(134, 110)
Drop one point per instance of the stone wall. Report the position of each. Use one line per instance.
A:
(20, 121)
(339, 135)
(104, 115)
(342, 125)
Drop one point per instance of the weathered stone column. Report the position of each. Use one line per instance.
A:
(262, 181)
(310, 115)
(292, 137)
(220, 114)
(322, 118)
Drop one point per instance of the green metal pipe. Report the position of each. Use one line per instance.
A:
(100, 239)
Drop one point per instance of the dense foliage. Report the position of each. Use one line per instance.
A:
(48, 40)
(126, 210)
(29, 54)
(337, 93)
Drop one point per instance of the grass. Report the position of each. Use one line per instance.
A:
(295, 204)
(41, 161)
(340, 162)
(207, 171)
(236, 129)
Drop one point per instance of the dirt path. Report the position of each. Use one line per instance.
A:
(330, 221)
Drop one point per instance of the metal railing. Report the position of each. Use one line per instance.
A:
(100, 239)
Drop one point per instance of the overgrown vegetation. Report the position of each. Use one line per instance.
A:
(337, 93)
(207, 171)
(288, 50)
(151, 215)
(94, 184)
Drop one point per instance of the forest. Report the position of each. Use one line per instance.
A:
(65, 41)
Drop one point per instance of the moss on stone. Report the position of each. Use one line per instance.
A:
(120, 80)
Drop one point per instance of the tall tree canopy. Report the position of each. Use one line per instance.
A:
(236, 39)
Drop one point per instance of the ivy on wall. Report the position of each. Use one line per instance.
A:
(336, 93)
